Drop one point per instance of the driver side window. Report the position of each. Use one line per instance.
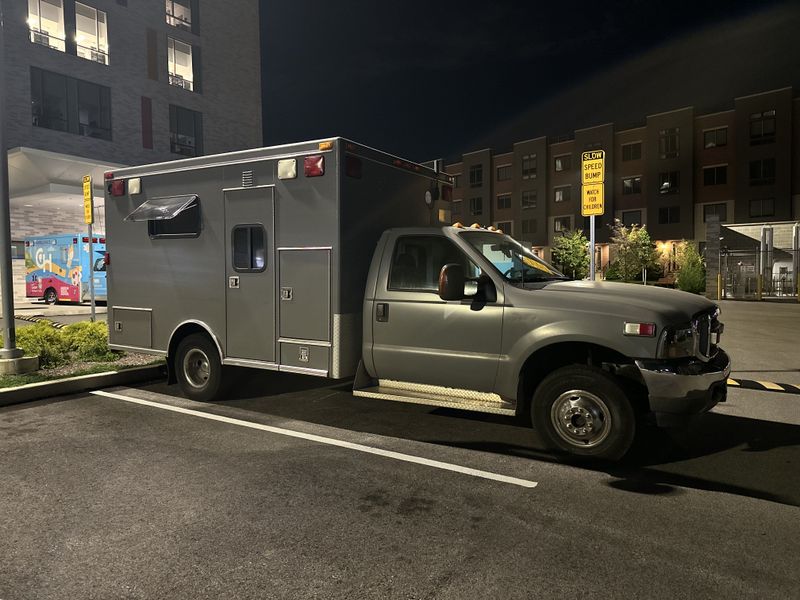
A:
(418, 259)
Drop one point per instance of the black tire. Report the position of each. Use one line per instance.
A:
(198, 368)
(585, 412)
(50, 296)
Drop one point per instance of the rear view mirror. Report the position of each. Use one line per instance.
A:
(451, 282)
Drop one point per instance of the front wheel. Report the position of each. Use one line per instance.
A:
(583, 411)
(50, 296)
(198, 368)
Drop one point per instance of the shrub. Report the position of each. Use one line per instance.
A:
(691, 272)
(43, 340)
(89, 341)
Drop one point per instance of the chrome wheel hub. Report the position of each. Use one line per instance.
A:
(580, 418)
(196, 368)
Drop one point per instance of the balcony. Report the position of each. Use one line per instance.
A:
(180, 81)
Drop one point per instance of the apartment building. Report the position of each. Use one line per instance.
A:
(93, 84)
(670, 173)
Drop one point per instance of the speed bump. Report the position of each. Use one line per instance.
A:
(764, 386)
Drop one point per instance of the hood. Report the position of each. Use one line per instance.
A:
(628, 299)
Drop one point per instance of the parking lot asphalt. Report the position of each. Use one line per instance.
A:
(294, 488)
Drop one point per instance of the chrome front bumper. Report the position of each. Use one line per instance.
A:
(679, 389)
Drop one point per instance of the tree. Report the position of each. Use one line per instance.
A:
(571, 254)
(634, 250)
(691, 271)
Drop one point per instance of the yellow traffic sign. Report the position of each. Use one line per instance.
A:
(88, 213)
(593, 166)
(592, 203)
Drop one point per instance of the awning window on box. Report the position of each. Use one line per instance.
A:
(162, 209)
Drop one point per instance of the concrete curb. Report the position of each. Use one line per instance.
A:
(81, 383)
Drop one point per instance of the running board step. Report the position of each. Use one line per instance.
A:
(434, 395)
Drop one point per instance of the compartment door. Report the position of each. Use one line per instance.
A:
(250, 274)
(305, 294)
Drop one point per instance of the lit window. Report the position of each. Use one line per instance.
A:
(91, 33)
(562, 224)
(180, 64)
(563, 163)
(179, 14)
(46, 23)
(669, 183)
(563, 194)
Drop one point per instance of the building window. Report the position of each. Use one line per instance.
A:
(67, 104)
(456, 208)
(563, 193)
(715, 137)
(632, 151)
(476, 206)
(179, 56)
(91, 33)
(669, 183)
(504, 173)
(631, 217)
(505, 226)
(529, 166)
(528, 226)
(715, 175)
(179, 14)
(528, 199)
(562, 224)
(563, 163)
(720, 210)
(503, 201)
(762, 127)
(669, 142)
(476, 176)
(669, 214)
(763, 207)
(762, 172)
(596, 145)
(46, 23)
(185, 131)
(632, 185)
(457, 180)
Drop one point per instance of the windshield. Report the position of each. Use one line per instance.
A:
(515, 262)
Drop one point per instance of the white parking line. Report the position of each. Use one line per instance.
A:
(329, 441)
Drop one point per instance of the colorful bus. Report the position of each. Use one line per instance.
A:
(58, 267)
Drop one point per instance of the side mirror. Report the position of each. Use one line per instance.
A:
(451, 282)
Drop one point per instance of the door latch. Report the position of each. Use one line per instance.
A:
(233, 282)
(382, 312)
(286, 293)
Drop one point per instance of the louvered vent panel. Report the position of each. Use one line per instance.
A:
(247, 178)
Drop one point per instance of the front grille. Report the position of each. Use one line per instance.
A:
(707, 330)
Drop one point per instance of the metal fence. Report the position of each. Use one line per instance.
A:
(744, 279)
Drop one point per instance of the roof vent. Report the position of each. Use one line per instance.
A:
(247, 178)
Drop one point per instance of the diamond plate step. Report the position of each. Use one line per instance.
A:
(433, 395)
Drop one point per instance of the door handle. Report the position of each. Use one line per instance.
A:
(233, 282)
(381, 312)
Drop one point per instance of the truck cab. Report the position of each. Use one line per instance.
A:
(467, 317)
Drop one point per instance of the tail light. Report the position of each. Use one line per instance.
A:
(106, 258)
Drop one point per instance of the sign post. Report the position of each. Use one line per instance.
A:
(593, 172)
(88, 216)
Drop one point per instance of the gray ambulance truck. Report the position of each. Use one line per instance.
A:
(333, 259)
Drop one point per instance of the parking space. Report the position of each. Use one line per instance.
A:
(294, 488)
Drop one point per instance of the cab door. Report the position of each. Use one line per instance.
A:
(420, 338)
(250, 274)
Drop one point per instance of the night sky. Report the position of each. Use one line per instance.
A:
(438, 78)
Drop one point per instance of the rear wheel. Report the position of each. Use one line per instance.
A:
(50, 296)
(198, 368)
(584, 411)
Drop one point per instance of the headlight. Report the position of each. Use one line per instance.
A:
(678, 343)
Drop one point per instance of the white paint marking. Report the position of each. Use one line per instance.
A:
(329, 441)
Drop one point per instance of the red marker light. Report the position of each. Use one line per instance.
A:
(117, 187)
(108, 175)
(314, 166)
(102, 240)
